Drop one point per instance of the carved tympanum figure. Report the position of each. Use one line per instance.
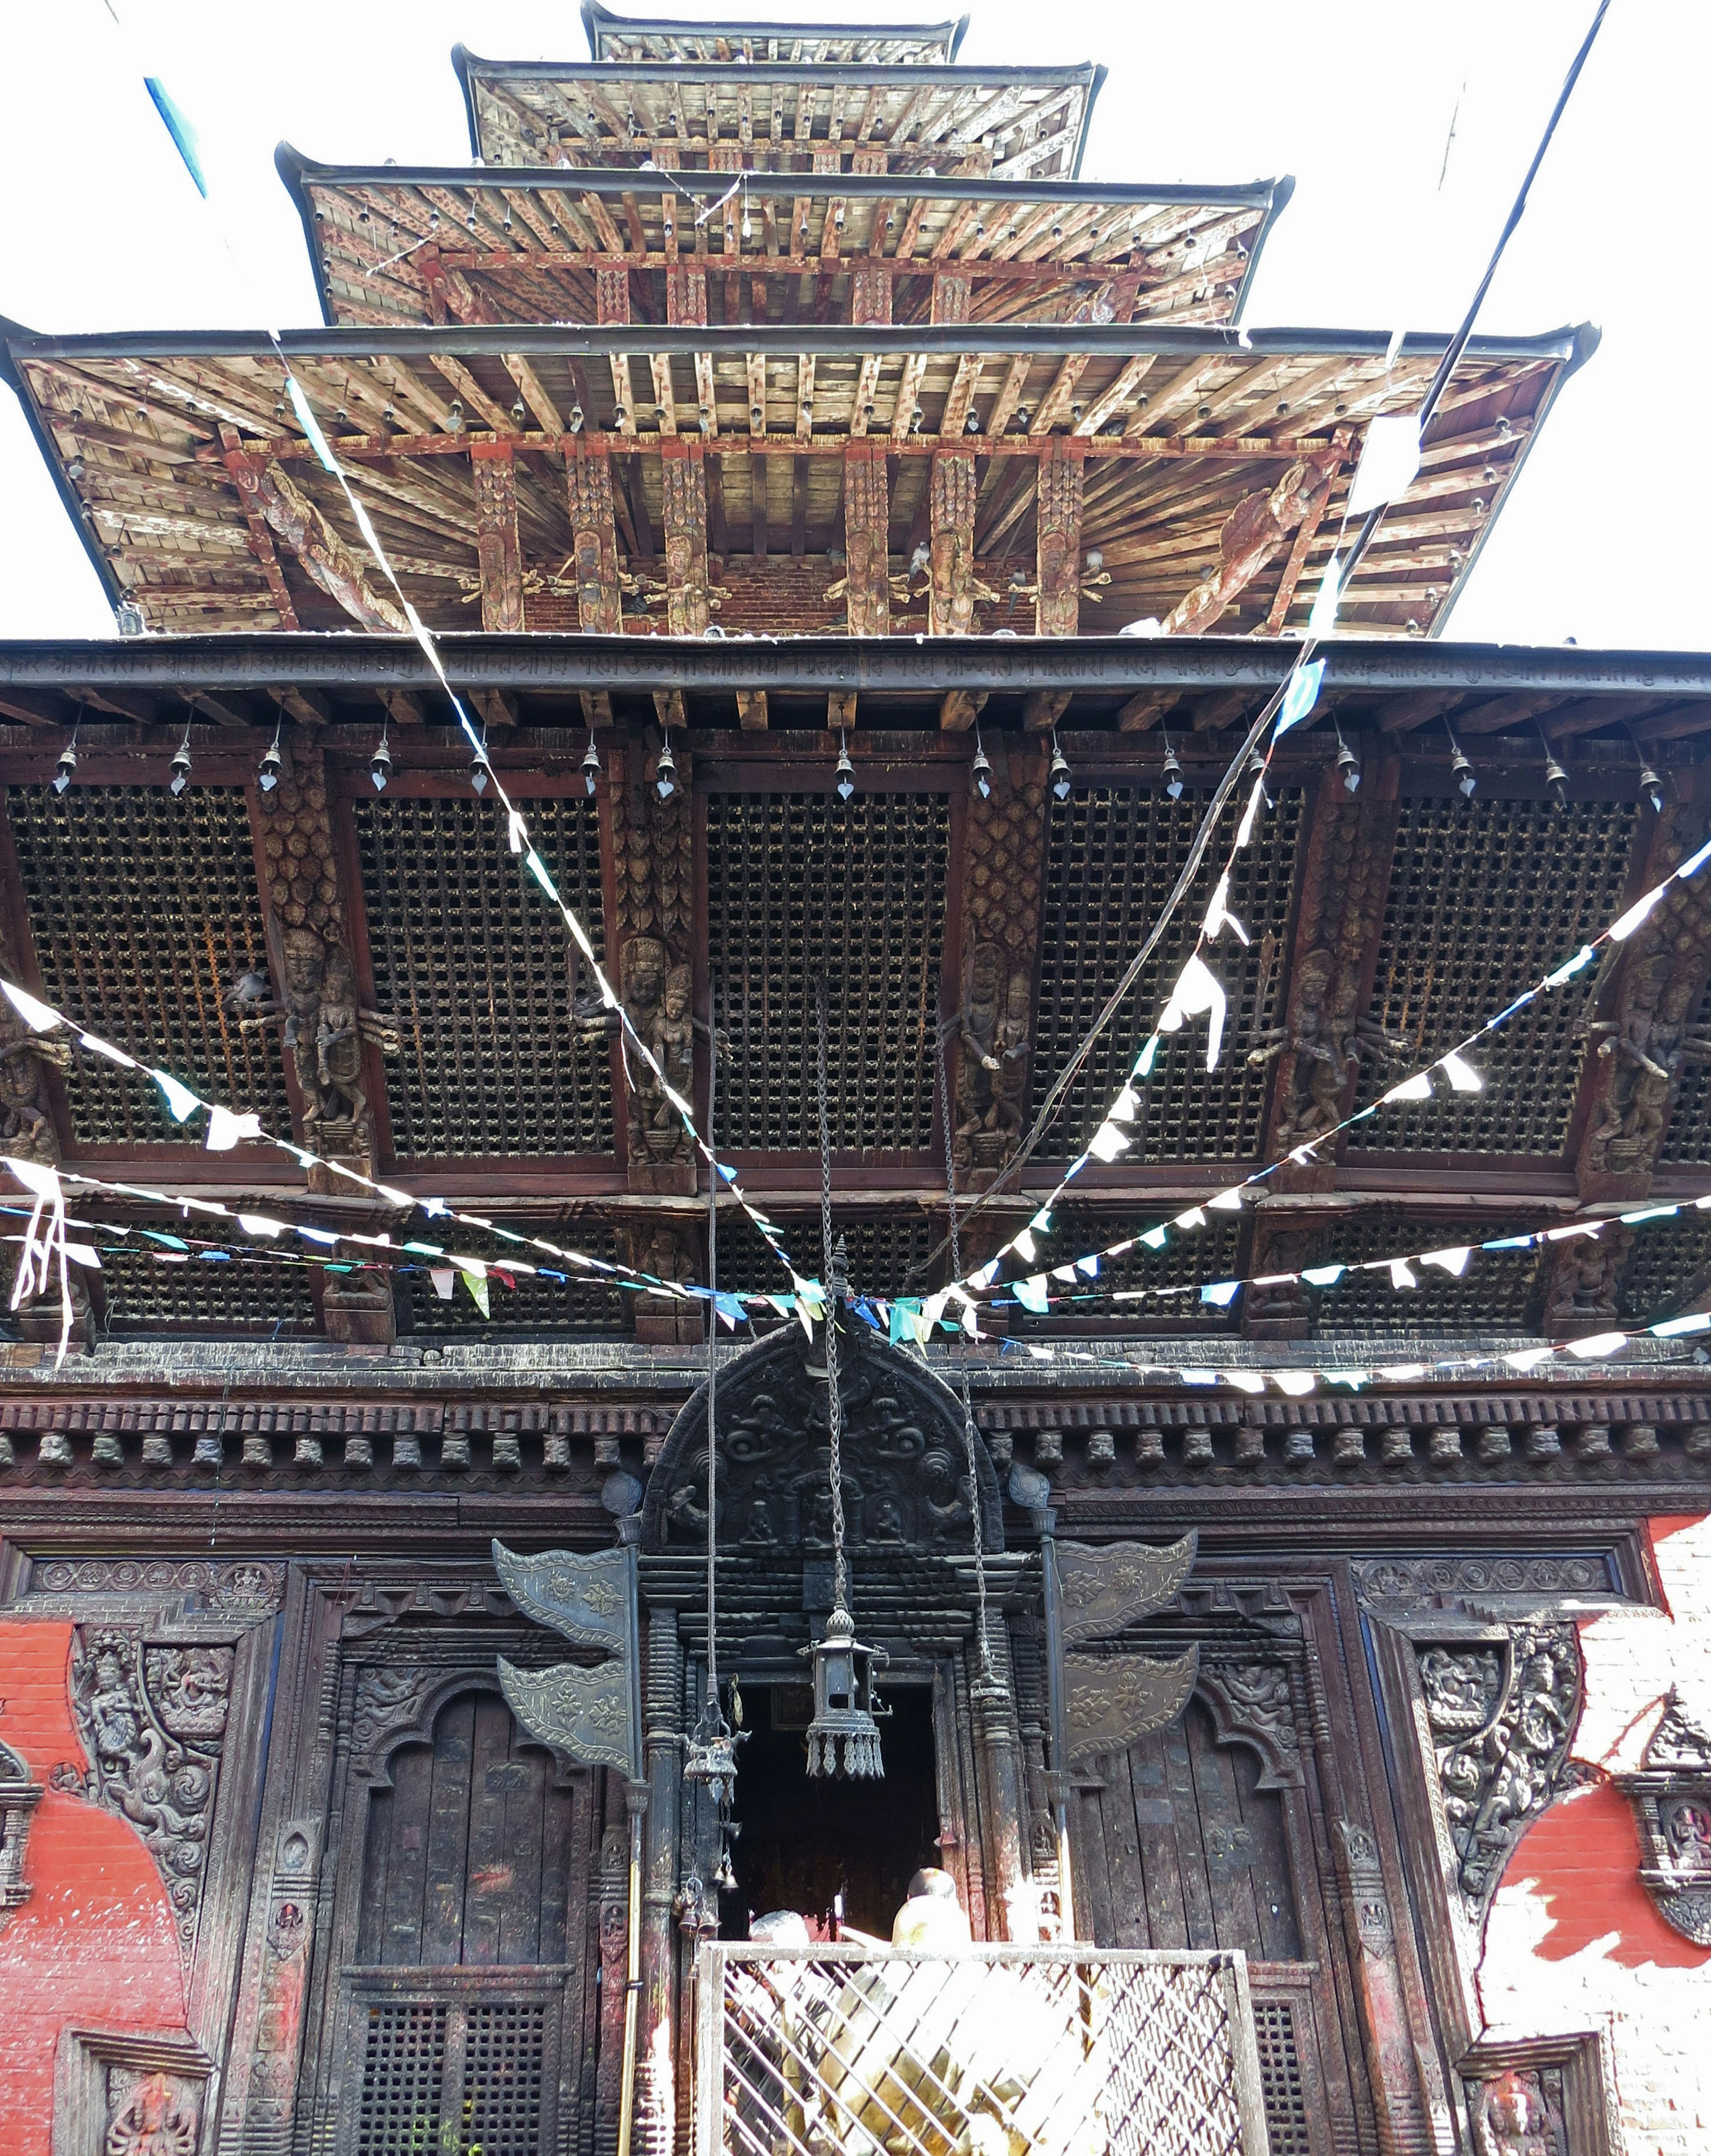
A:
(1515, 2117)
(325, 1028)
(158, 2118)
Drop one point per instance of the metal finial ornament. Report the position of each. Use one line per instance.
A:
(843, 1737)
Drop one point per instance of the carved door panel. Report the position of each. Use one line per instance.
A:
(460, 1978)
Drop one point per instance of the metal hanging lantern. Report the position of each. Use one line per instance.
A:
(709, 1757)
(843, 1737)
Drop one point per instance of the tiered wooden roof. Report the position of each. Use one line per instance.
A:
(394, 245)
(170, 450)
(780, 115)
(619, 38)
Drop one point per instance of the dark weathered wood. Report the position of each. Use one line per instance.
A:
(950, 568)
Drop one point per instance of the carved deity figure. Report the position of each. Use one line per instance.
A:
(157, 2119)
(1648, 1043)
(1515, 2117)
(324, 1028)
(26, 1118)
(993, 1027)
(1326, 1040)
(657, 997)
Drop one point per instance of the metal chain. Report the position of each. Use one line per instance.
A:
(712, 1361)
(968, 1419)
(834, 1413)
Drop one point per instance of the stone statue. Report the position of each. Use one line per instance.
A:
(324, 1028)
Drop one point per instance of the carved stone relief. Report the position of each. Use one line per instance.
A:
(1419, 1583)
(127, 2094)
(154, 2115)
(1501, 1715)
(1672, 1799)
(153, 1722)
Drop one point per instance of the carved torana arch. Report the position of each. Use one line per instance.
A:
(905, 1468)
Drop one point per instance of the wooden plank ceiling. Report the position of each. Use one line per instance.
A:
(205, 504)
(392, 248)
(1017, 123)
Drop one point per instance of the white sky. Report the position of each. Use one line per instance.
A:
(1354, 97)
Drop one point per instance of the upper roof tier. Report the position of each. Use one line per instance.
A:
(874, 44)
(532, 471)
(395, 245)
(776, 116)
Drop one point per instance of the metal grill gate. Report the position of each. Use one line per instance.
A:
(993, 2051)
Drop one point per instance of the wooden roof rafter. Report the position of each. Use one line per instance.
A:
(1154, 501)
(616, 38)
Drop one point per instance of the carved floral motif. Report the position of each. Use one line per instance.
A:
(1502, 1717)
(153, 1723)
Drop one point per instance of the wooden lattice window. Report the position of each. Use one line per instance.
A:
(1671, 1262)
(802, 889)
(1281, 2082)
(1211, 1253)
(1495, 1293)
(479, 971)
(585, 1302)
(1113, 855)
(239, 1294)
(466, 2069)
(1485, 898)
(143, 909)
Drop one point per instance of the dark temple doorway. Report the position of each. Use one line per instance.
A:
(805, 1842)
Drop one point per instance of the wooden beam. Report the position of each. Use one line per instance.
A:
(307, 706)
(471, 393)
(1250, 534)
(546, 412)
(751, 710)
(1042, 708)
(840, 710)
(498, 549)
(1058, 540)
(596, 707)
(1284, 596)
(668, 705)
(594, 541)
(1145, 709)
(404, 707)
(498, 708)
(684, 493)
(949, 299)
(246, 477)
(334, 567)
(123, 703)
(867, 518)
(225, 710)
(953, 489)
(959, 709)
(869, 295)
(30, 710)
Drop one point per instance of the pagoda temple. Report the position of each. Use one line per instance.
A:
(708, 667)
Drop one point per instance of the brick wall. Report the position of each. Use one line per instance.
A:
(1573, 1942)
(95, 1945)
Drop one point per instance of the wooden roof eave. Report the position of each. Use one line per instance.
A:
(473, 71)
(600, 22)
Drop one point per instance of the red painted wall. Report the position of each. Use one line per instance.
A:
(95, 1945)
